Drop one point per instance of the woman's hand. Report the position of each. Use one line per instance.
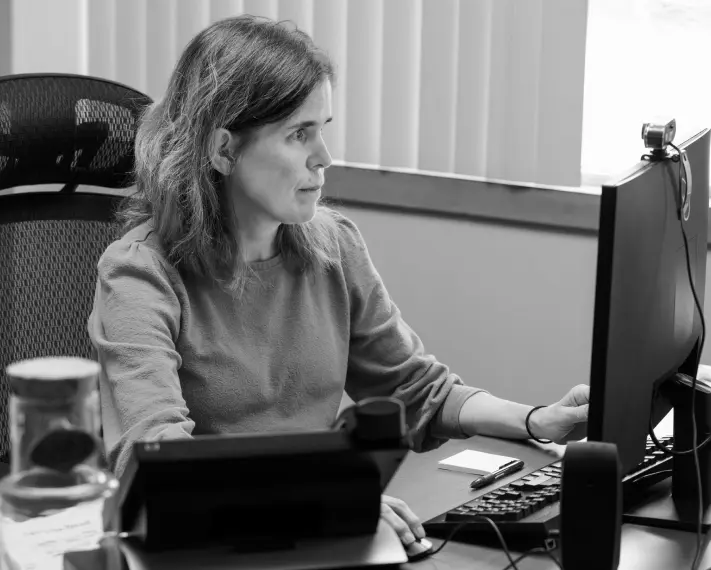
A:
(566, 420)
(399, 516)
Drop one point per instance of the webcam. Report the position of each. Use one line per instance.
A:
(657, 136)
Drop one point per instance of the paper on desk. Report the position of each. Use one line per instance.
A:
(40, 543)
(475, 462)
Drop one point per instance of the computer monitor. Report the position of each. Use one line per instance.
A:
(647, 328)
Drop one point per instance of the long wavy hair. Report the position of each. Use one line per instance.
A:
(240, 74)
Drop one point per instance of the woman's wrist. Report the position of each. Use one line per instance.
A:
(533, 428)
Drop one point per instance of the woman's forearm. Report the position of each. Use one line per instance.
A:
(485, 414)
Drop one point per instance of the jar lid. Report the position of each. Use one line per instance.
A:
(54, 377)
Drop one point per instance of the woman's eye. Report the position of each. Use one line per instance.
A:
(300, 135)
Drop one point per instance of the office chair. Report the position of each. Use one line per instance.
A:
(68, 130)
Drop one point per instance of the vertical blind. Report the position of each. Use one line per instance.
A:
(483, 88)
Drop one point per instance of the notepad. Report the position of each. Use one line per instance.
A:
(475, 462)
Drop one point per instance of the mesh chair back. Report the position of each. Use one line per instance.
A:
(70, 130)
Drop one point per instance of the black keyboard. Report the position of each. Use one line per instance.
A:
(527, 510)
(654, 467)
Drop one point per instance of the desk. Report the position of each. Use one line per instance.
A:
(430, 491)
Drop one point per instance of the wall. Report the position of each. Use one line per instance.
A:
(509, 309)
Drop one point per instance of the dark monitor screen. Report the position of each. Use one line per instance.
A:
(646, 325)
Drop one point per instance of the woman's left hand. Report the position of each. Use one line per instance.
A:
(566, 420)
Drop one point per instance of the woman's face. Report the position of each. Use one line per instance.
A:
(277, 177)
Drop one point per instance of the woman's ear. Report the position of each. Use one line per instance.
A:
(221, 151)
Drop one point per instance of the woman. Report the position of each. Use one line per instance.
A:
(234, 302)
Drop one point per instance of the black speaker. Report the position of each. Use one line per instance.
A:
(591, 506)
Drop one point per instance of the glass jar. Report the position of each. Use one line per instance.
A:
(57, 498)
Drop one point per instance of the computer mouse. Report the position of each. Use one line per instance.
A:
(418, 550)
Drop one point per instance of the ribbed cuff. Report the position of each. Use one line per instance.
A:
(445, 425)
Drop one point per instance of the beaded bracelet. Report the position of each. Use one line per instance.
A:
(528, 427)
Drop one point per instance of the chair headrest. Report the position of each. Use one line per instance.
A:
(67, 129)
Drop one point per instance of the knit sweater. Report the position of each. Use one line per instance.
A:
(182, 356)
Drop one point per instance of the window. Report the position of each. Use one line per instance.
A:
(490, 89)
(646, 60)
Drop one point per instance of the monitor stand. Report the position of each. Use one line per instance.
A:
(658, 508)
(381, 549)
(674, 502)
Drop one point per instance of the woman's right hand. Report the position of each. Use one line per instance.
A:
(399, 516)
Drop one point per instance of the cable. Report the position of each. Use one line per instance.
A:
(694, 437)
(512, 561)
(455, 530)
(694, 441)
(667, 451)
(502, 541)
(696, 446)
(648, 475)
(536, 550)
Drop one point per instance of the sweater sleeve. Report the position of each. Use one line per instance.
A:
(387, 358)
(133, 326)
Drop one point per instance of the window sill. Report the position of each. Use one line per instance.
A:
(553, 208)
(464, 197)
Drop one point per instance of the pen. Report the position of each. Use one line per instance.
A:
(503, 471)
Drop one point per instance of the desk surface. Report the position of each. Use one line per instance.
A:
(430, 491)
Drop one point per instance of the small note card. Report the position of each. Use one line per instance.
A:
(475, 462)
